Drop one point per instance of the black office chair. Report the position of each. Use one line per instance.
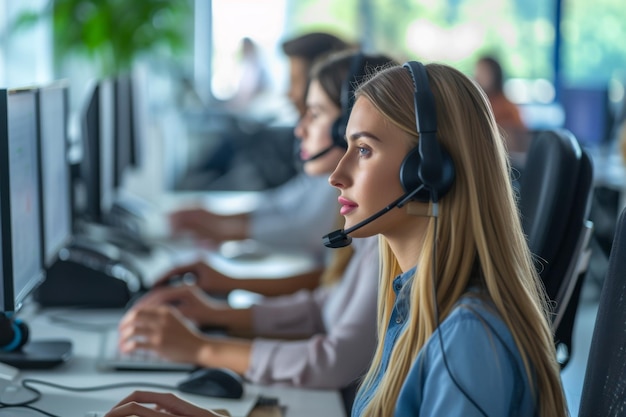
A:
(604, 388)
(554, 202)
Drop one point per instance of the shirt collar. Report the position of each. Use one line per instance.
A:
(402, 289)
(401, 280)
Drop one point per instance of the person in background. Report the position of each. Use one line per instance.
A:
(253, 79)
(319, 339)
(302, 52)
(291, 216)
(463, 318)
(489, 75)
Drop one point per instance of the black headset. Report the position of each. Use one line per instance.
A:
(427, 171)
(429, 164)
(355, 74)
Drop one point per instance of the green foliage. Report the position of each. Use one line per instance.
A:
(114, 33)
(521, 32)
(594, 47)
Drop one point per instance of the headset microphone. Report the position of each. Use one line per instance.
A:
(319, 154)
(339, 238)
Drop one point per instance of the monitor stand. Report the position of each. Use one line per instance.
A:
(39, 354)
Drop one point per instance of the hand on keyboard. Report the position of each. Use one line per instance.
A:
(200, 274)
(164, 404)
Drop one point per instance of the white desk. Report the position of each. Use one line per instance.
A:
(84, 328)
(81, 371)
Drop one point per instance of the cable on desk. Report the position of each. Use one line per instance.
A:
(37, 396)
(27, 381)
(26, 404)
(30, 407)
(27, 384)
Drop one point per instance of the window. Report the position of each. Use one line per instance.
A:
(25, 55)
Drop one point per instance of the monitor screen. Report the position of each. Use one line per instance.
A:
(20, 222)
(96, 167)
(586, 114)
(54, 170)
(22, 268)
(124, 128)
(139, 115)
(4, 303)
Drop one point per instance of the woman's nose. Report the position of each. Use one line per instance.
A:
(298, 131)
(337, 179)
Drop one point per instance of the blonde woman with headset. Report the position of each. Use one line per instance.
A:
(462, 316)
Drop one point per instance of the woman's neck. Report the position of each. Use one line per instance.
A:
(407, 244)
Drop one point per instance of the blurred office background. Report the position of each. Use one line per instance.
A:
(564, 60)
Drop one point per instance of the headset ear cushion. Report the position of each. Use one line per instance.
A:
(24, 334)
(338, 131)
(409, 175)
(16, 334)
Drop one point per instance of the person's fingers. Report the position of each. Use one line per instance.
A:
(165, 296)
(135, 410)
(131, 405)
(167, 404)
(193, 268)
(188, 219)
(161, 330)
(190, 301)
(141, 321)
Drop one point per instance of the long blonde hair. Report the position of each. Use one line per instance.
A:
(479, 235)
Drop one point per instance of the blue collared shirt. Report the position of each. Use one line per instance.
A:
(481, 356)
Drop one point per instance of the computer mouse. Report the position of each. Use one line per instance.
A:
(213, 382)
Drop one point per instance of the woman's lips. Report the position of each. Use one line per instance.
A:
(347, 206)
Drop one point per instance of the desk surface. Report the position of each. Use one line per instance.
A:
(84, 330)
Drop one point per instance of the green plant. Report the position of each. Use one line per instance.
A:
(113, 33)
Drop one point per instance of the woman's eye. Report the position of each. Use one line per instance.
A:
(309, 115)
(363, 151)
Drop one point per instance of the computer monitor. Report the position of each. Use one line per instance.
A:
(587, 115)
(19, 184)
(138, 100)
(107, 132)
(125, 138)
(97, 164)
(22, 266)
(55, 198)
